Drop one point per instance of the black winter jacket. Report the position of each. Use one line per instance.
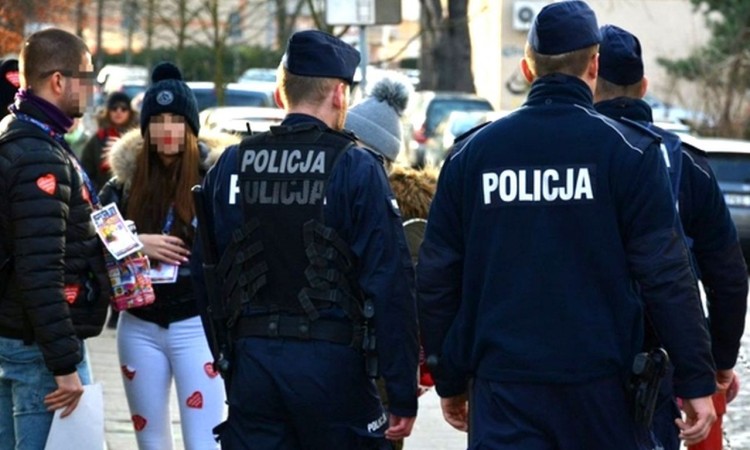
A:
(55, 288)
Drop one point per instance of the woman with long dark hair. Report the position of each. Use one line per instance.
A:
(155, 168)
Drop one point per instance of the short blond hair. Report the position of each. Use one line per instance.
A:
(298, 89)
(572, 63)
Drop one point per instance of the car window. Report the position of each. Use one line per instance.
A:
(205, 98)
(730, 167)
(245, 98)
(439, 109)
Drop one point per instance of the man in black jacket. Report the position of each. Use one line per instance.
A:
(55, 288)
(705, 218)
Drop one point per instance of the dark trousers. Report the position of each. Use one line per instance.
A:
(288, 395)
(521, 416)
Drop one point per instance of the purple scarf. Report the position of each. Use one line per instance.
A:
(55, 118)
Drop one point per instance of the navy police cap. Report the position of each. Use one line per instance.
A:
(313, 53)
(563, 27)
(620, 59)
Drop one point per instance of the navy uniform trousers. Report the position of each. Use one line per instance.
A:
(525, 416)
(288, 394)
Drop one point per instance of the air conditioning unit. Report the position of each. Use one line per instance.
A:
(524, 12)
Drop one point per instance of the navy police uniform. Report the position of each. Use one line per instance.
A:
(542, 224)
(705, 219)
(315, 241)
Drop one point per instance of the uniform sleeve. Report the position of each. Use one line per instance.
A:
(718, 255)
(39, 194)
(658, 258)
(197, 257)
(386, 276)
(439, 274)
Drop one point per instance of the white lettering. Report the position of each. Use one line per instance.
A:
(489, 184)
(583, 185)
(234, 188)
(293, 165)
(508, 185)
(550, 193)
(538, 185)
(319, 165)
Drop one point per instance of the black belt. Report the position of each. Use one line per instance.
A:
(298, 327)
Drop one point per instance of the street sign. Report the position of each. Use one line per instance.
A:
(363, 12)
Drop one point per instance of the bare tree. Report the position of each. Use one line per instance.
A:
(445, 61)
(176, 17)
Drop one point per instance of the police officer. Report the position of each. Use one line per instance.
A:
(540, 226)
(705, 219)
(314, 264)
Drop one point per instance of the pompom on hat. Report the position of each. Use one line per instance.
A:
(168, 93)
(377, 119)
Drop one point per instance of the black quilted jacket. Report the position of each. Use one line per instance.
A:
(54, 288)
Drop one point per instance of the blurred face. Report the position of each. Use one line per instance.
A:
(119, 114)
(167, 133)
(79, 88)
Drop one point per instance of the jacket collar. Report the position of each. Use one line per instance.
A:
(559, 88)
(629, 108)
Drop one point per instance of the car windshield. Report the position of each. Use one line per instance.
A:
(206, 98)
(439, 109)
(730, 167)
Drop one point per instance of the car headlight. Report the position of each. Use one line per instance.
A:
(737, 200)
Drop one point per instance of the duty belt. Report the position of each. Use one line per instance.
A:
(299, 327)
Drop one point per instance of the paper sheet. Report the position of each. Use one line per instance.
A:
(84, 428)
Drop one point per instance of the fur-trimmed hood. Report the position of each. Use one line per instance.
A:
(414, 190)
(123, 154)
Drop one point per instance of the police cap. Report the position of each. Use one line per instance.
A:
(620, 59)
(313, 53)
(564, 27)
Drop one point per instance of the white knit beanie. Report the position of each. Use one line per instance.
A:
(376, 119)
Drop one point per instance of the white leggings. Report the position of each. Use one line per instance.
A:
(149, 357)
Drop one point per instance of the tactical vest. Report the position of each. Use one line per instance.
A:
(284, 263)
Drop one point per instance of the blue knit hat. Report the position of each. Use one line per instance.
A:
(169, 94)
(564, 27)
(313, 53)
(620, 59)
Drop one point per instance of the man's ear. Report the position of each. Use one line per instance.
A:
(644, 86)
(592, 71)
(526, 71)
(277, 98)
(339, 96)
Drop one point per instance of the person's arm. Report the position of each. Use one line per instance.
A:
(658, 258)
(385, 276)
(718, 254)
(439, 278)
(38, 201)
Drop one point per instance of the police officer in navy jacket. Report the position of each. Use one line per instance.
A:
(704, 215)
(542, 224)
(315, 237)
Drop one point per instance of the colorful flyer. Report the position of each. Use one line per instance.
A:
(163, 273)
(114, 232)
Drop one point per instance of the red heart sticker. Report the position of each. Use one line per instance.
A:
(209, 368)
(195, 400)
(71, 292)
(11, 77)
(128, 372)
(139, 422)
(47, 183)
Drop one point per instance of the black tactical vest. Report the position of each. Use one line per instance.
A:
(287, 261)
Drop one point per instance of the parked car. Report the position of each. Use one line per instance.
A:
(112, 77)
(235, 119)
(456, 124)
(426, 110)
(666, 112)
(235, 94)
(730, 161)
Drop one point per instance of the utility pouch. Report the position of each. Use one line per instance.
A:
(648, 371)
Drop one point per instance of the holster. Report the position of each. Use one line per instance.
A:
(648, 371)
